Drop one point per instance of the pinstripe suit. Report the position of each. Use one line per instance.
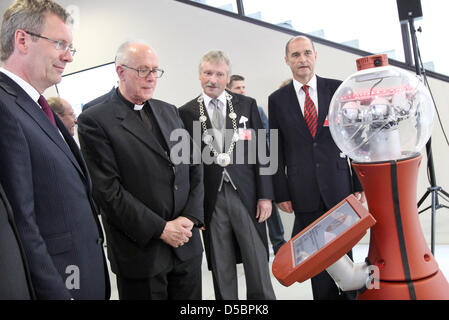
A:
(47, 183)
(14, 273)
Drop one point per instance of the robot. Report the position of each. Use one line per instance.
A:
(381, 117)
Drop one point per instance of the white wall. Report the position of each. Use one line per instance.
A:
(181, 34)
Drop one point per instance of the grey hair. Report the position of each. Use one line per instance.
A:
(216, 56)
(122, 55)
(28, 15)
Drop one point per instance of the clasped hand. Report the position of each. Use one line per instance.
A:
(177, 232)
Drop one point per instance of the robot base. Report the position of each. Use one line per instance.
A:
(407, 268)
(434, 287)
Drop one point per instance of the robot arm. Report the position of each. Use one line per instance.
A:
(349, 275)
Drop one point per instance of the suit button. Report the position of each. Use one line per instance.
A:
(99, 240)
(317, 165)
(176, 187)
(315, 144)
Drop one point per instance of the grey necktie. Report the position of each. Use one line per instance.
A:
(217, 119)
(218, 122)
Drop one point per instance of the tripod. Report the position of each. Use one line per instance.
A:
(434, 190)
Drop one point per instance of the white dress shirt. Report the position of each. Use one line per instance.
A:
(33, 93)
(210, 107)
(210, 112)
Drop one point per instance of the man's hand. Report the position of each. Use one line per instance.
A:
(264, 208)
(186, 222)
(177, 232)
(286, 206)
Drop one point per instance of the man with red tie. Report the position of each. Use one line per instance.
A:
(312, 175)
(42, 171)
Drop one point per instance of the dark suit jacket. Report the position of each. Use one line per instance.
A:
(263, 118)
(309, 168)
(49, 188)
(99, 99)
(15, 281)
(251, 186)
(138, 187)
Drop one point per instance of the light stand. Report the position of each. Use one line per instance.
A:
(434, 189)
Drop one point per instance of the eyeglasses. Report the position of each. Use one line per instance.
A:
(145, 72)
(60, 44)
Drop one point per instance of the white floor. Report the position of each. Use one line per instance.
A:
(297, 291)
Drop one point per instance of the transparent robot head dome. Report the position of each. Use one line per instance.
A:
(381, 112)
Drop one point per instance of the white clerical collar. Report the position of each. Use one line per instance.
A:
(28, 88)
(312, 84)
(138, 107)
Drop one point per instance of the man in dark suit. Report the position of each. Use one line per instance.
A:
(237, 196)
(99, 99)
(15, 281)
(151, 207)
(312, 175)
(65, 112)
(41, 169)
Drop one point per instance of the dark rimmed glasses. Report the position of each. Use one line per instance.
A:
(145, 72)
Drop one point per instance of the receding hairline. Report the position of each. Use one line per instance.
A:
(298, 38)
(124, 50)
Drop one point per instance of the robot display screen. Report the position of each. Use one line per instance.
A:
(323, 232)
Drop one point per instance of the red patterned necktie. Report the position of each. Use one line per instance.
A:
(46, 108)
(310, 114)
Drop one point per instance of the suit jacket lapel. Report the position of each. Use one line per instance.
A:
(324, 97)
(162, 122)
(295, 111)
(32, 109)
(75, 151)
(228, 121)
(131, 121)
(235, 103)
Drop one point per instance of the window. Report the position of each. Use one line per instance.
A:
(431, 40)
(80, 87)
(228, 5)
(346, 22)
(369, 26)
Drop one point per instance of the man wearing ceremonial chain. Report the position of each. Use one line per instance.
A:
(237, 199)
